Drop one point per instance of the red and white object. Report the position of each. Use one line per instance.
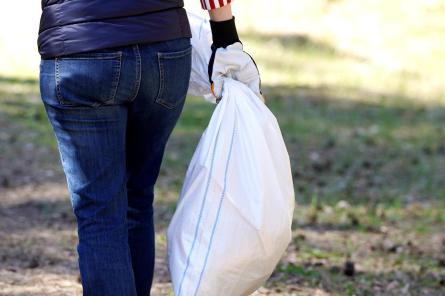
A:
(212, 4)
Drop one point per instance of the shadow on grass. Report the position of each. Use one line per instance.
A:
(381, 149)
(299, 42)
(18, 80)
(344, 144)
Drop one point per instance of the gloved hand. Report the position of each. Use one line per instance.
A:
(229, 60)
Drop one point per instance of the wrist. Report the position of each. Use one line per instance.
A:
(224, 33)
(221, 14)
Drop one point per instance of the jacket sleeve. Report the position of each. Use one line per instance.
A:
(212, 4)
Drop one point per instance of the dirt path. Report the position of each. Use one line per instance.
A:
(38, 257)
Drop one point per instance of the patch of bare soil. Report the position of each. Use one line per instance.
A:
(38, 243)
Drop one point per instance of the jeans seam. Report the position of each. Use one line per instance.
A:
(137, 83)
(115, 84)
(95, 56)
(161, 79)
(57, 81)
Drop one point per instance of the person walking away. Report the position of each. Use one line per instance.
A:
(113, 80)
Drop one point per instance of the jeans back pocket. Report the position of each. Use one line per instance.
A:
(88, 79)
(174, 76)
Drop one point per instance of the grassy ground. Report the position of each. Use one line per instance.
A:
(364, 123)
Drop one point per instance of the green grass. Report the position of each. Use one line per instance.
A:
(20, 106)
(346, 141)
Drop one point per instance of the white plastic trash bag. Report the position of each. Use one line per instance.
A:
(233, 220)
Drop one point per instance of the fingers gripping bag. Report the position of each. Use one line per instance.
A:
(233, 219)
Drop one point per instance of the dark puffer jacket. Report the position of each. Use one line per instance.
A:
(74, 26)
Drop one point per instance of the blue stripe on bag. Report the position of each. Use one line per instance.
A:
(200, 212)
(219, 208)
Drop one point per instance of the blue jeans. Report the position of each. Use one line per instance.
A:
(112, 112)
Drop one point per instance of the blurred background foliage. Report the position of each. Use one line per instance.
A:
(358, 89)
